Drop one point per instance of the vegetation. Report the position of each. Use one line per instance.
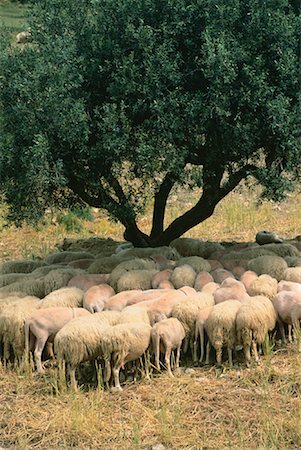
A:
(116, 103)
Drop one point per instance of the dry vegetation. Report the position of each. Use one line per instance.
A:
(206, 408)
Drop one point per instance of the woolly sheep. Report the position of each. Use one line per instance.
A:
(20, 266)
(166, 285)
(220, 328)
(12, 319)
(215, 264)
(65, 257)
(69, 297)
(94, 245)
(195, 247)
(266, 237)
(199, 333)
(293, 261)
(96, 297)
(187, 312)
(238, 271)
(168, 252)
(211, 287)
(83, 264)
(42, 326)
(44, 270)
(128, 298)
(134, 314)
(274, 266)
(81, 340)
(254, 320)
(283, 249)
(183, 276)
(10, 278)
(202, 279)
(287, 304)
(230, 289)
(166, 336)
(126, 266)
(23, 37)
(263, 285)
(32, 287)
(105, 264)
(196, 262)
(84, 281)
(163, 263)
(136, 279)
(58, 278)
(292, 274)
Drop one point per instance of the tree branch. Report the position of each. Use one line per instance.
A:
(160, 204)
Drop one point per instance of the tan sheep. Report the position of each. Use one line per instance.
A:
(167, 335)
(210, 288)
(195, 247)
(183, 276)
(292, 274)
(95, 298)
(202, 279)
(196, 262)
(220, 328)
(219, 275)
(284, 285)
(127, 266)
(288, 307)
(200, 333)
(254, 320)
(160, 277)
(230, 289)
(84, 281)
(135, 279)
(70, 297)
(263, 285)
(248, 277)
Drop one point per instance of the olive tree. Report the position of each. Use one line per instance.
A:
(120, 102)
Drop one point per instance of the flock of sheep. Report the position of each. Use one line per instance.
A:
(97, 299)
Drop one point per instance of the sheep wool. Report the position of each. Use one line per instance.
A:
(20, 266)
(71, 297)
(183, 276)
(58, 278)
(274, 266)
(65, 257)
(135, 279)
(263, 285)
(195, 247)
(105, 264)
(196, 262)
(293, 274)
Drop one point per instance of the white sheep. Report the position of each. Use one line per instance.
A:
(254, 320)
(183, 275)
(71, 297)
(42, 326)
(80, 340)
(96, 297)
(167, 335)
(230, 289)
(200, 333)
(287, 304)
(85, 281)
(263, 285)
(220, 328)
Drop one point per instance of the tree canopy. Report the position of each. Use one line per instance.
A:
(117, 102)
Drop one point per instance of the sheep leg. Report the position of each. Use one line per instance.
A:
(73, 382)
(40, 344)
(49, 347)
(167, 361)
(196, 336)
(282, 331)
(202, 343)
(156, 347)
(178, 357)
(147, 364)
(247, 352)
(290, 339)
(118, 363)
(219, 356)
(254, 349)
(185, 344)
(208, 352)
(230, 356)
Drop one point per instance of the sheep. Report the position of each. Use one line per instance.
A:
(127, 298)
(10, 278)
(266, 237)
(215, 264)
(136, 279)
(129, 265)
(287, 304)
(80, 340)
(293, 261)
(238, 271)
(58, 278)
(219, 275)
(106, 264)
(283, 250)
(211, 287)
(42, 326)
(167, 252)
(292, 274)
(84, 281)
(29, 286)
(134, 314)
(66, 257)
(183, 276)
(166, 285)
(94, 245)
(254, 320)
(12, 319)
(289, 286)
(82, 264)
(187, 311)
(159, 277)
(230, 289)
(195, 247)
(248, 277)
(275, 266)
(263, 285)
(166, 336)
(71, 297)
(200, 332)
(196, 262)
(123, 246)
(95, 298)
(44, 270)
(123, 343)
(20, 266)
(220, 328)
(23, 37)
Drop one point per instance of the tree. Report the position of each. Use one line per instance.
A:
(117, 102)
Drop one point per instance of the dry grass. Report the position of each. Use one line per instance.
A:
(257, 408)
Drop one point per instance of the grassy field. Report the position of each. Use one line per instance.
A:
(201, 408)
(12, 16)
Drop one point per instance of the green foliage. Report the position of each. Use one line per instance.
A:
(112, 98)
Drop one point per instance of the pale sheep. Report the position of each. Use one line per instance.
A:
(70, 297)
(199, 334)
(81, 340)
(42, 326)
(275, 266)
(211, 287)
(160, 277)
(263, 285)
(66, 257)
(220, 328)
(287, 304)
(12, 320)
(162, 262)
(254, 320)
(292, 274)
(248, 277)
(94, 245)
(166, 285)
(284, 285)
(105, 264)
(195, 247)
(10, 278)
(196, 262)
(167, 335)
(95, 298)
(219, 275)
(183, 276)
(129, 265)
(230, 289)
